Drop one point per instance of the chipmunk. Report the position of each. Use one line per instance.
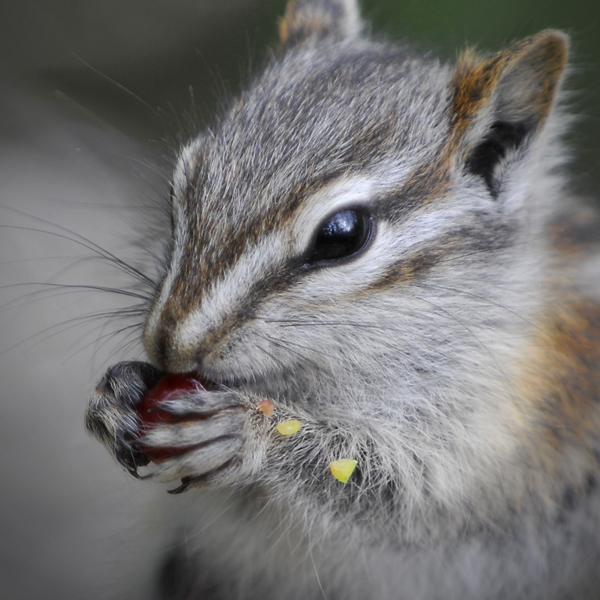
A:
(362, 241)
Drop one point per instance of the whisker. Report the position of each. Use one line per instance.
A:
(302, 346)
(284, 346)
(505, 246)
(121, 87)
(268, 353)
(136, 341)
(105, 337)
(406, 354)
(82, 320)
(494, 303)
(469, 330)
(73, 286)
(300, 322)
(82, 241)
(166, 179)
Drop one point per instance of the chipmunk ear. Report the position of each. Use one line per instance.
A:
(319, 19)
(500, 104)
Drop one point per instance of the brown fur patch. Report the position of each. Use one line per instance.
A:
(576, 234)
(559, 397)
(408, 270)
(537, 63)
(431, 181)
(473, 82)
(298, 25)
(404, 272)
(286, 23)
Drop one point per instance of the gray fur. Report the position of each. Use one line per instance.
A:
(407, 358)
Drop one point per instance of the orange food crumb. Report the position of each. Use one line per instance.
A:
(266, 406)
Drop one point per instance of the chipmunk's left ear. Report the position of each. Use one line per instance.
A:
(501, 104)
(306, 20)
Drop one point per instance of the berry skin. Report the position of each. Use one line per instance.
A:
(151, 415)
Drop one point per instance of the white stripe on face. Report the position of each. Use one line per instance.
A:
(228, 292)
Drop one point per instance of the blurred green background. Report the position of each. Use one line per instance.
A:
(159, 50)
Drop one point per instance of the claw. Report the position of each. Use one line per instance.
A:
(132, 459)
(198, 480)
(143, 416)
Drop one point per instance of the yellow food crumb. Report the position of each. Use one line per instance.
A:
(288, 427)
(343, 468)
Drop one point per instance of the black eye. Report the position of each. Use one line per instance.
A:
(341, 236)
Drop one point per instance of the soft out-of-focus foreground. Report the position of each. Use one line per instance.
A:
(94, 98)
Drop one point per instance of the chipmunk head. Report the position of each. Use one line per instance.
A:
(357, 215)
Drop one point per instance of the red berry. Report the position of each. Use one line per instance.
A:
(150, 413)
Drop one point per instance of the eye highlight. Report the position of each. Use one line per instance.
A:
(341, 236)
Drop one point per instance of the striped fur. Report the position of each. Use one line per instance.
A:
(452, 356)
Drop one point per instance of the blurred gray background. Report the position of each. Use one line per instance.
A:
(94, 97)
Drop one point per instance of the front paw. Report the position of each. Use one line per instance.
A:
(186, 431)
(195, 435)
(111, 414)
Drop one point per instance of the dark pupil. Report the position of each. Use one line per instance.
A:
(341, 236)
